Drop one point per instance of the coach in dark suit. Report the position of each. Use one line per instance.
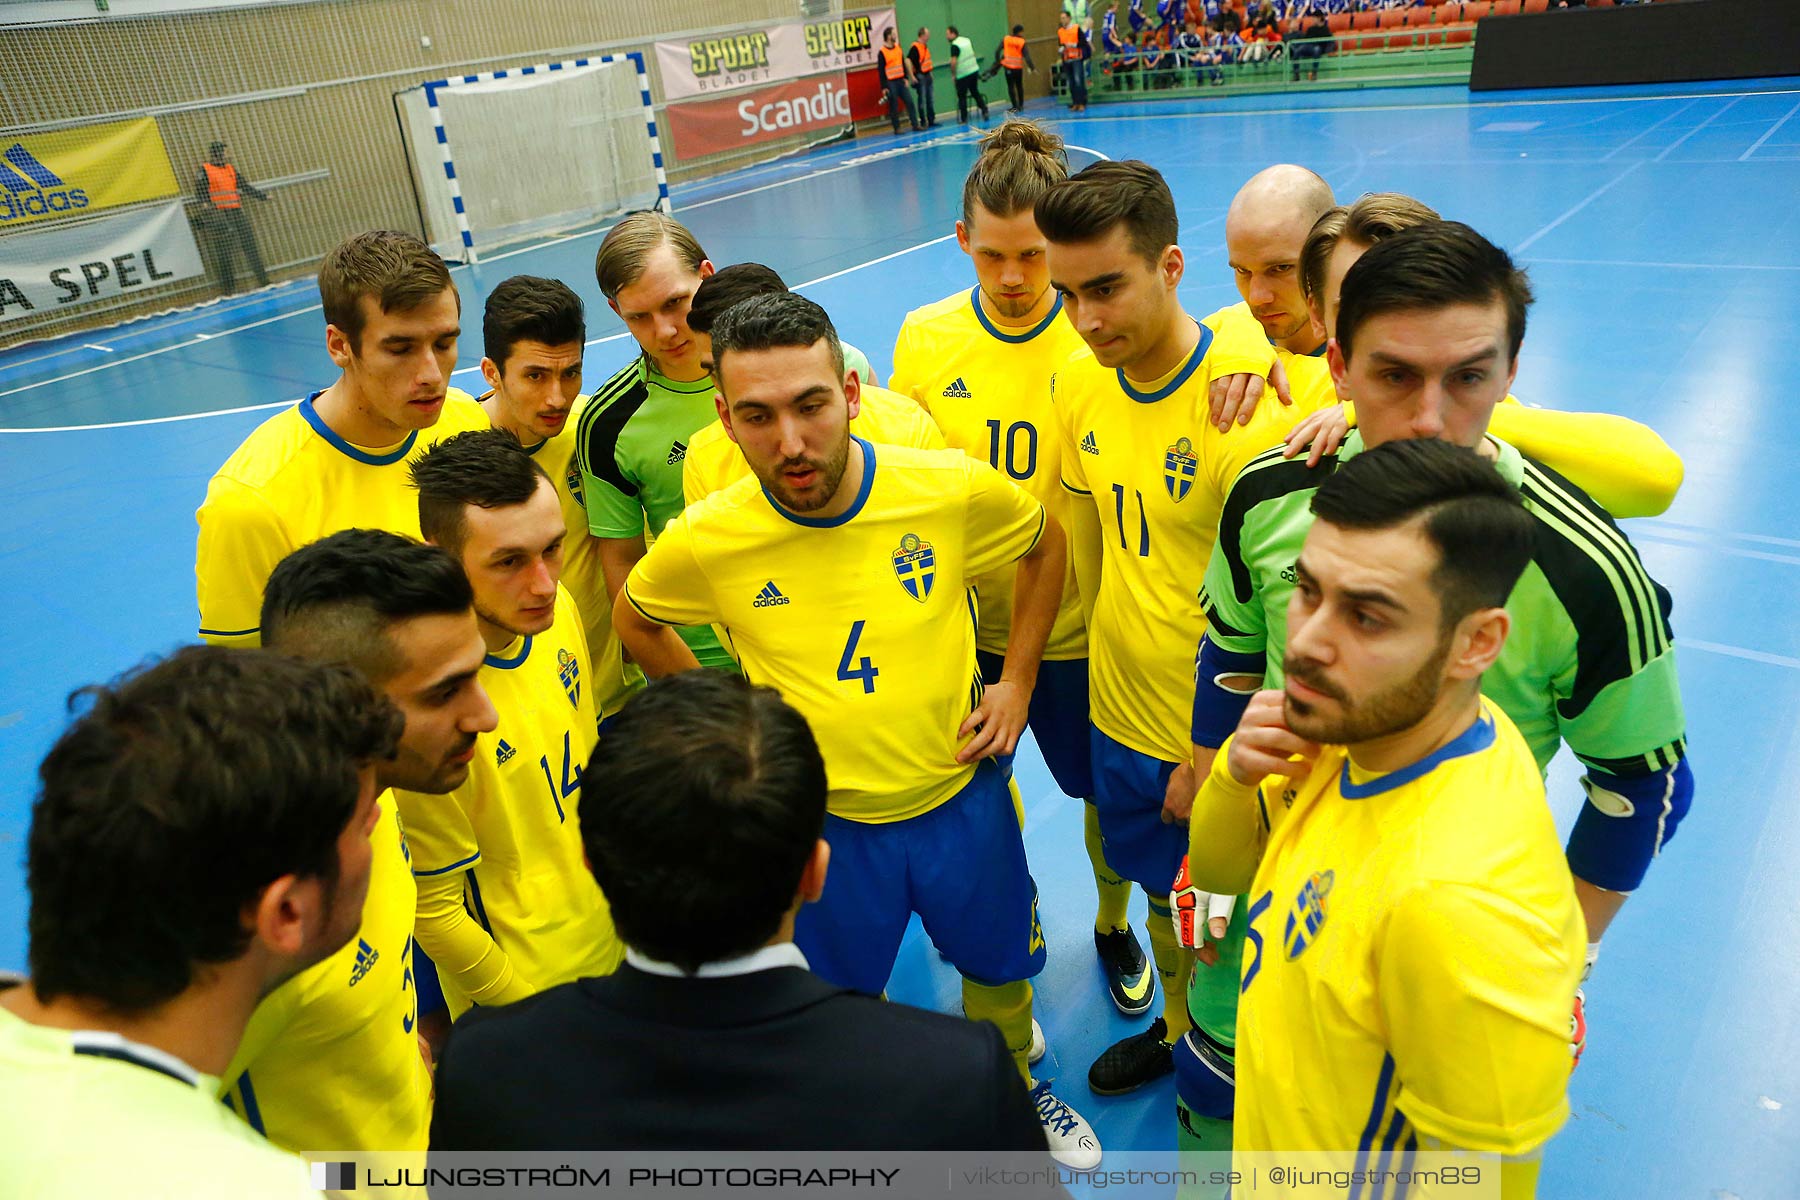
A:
(701, 814)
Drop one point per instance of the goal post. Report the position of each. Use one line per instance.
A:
(526, 152)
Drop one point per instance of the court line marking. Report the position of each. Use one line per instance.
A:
(1696, 542)
(1676, 144)
(1653, 126)
(1358, 108)
(1757, 144)
(1761, 656)
(1592, 196)
(1664, 266)
(1701, 530)
(895, 151)
(613, 337)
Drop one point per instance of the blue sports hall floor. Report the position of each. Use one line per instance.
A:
(1662, 233)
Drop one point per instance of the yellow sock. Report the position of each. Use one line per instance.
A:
(1174, 966)
(1115, 893)
(1009, 1008)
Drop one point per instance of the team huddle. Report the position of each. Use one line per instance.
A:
(1296, 598)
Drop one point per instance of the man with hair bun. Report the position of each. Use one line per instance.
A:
(980, 361)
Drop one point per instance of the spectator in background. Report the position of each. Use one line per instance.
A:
(1311, 43)
(220, 189)
(1123, 64)
(1014, 57)
(1153, 61)
(966, 67)
(202, 834)
(918, 58)
(708, 844)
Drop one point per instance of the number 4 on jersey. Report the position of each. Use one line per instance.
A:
(865, 670)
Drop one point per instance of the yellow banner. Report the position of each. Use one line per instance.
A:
(47, 176)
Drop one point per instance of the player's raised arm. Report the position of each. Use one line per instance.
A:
(1624, 464)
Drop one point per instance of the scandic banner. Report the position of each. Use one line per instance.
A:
(819, 104)
(762, 54)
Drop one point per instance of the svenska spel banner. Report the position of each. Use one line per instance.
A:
(70, 172)
(762, 54)
(59, 267)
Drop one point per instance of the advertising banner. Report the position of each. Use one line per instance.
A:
(67, 266)
(764, 54)
(817, 105)
(49, 176)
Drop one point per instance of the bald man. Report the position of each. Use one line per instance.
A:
(1265, 229)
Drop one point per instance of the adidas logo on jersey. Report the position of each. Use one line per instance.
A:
(677, 452)
(959, 390)
(503, 753)
(366, 958)
(1089, 445)
(769, 597)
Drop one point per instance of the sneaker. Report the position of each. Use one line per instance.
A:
(1071, 1138)
(1128, 1065)
(1128, 975)
(1038, 1046)
(1577, 1029)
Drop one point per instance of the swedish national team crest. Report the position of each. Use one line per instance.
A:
(568, 669)
(573, 479)
(915, 566)
(1179, 465)
(1307, 916)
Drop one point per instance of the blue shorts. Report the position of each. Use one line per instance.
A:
(1058, 721)
(1128, 793)
(961, 867)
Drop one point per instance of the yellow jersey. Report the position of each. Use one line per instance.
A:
(294, 481)
(512, 829)
(988, 389)
(330, 1059)
(714, 461)
(1309, 374)
(614, 678)
(864, 622)
(1412, 951)
(1156, 470)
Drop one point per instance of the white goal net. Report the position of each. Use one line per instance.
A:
(508, 156)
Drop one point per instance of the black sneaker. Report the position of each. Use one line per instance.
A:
(1129, 1065)
(1128, 975)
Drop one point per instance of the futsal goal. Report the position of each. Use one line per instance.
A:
(528, 152)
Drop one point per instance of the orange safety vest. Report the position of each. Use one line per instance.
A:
(1070, 37)
(1012, 52)
(221, 185)
(924, 57)
(893, 62)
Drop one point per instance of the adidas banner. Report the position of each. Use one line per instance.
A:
(67, 265)
(70, 172)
